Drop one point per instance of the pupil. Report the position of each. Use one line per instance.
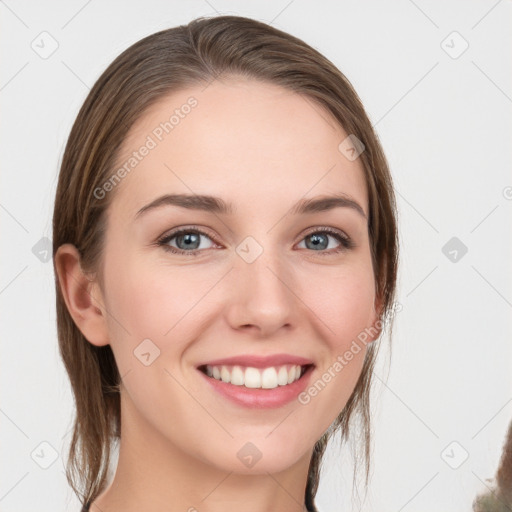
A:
(316, 241)
(189, 239)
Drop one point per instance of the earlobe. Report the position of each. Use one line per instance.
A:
(82, 295)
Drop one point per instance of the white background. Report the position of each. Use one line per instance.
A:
(445, 124)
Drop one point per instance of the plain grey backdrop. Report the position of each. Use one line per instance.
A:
(436, 81)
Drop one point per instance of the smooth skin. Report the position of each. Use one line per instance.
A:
(261, 148)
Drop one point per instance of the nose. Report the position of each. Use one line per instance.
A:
(261, 297)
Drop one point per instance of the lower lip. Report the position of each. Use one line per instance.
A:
(260, 398)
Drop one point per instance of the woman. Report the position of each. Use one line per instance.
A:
(225, 250)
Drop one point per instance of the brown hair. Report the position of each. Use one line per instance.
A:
(158, 65)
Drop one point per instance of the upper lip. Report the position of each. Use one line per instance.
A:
(259, 361)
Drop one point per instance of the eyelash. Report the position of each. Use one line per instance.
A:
(345, 242)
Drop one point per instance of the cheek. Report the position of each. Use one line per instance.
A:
(345, 307)
(340, 302)
(344, 303)
(152, 301)
(154, 316)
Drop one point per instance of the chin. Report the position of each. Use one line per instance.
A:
(257, 455)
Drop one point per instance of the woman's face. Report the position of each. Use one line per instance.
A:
(264, 279)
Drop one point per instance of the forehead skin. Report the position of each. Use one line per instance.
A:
(256, 144)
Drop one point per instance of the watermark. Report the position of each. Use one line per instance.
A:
(146, 352)
(368, 334)
(351, 147)
(249, 249)
(454, 45)
(44, 455)
(43, 249)
(454, 249)
(249, 454)
(152, 140)
(454, 455)
(45, 45)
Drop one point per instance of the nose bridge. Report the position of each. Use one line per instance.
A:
(261, 286)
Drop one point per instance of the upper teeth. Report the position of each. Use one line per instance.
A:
(267, 378)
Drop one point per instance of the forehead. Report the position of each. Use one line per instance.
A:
(242, 140)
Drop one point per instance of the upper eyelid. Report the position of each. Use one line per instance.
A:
(174, 232)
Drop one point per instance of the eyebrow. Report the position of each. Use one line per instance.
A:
(219, 206)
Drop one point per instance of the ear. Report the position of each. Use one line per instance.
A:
(82, 295)
(376, 324)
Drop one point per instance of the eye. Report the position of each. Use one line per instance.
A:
(318, 241)
(188, 241)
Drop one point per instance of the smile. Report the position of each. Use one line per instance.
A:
(257, 388)
(256, 378)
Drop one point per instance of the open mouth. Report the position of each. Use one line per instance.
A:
(257, 378)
